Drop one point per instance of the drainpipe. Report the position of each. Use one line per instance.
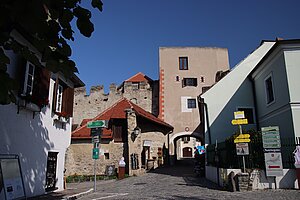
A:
(169, 147)
(255, 104)
(201, 102)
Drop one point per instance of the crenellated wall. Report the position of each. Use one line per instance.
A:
(89, 106)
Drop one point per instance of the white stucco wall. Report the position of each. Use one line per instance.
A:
(292, 61)
(233, 91)
(31, 138)
(284, 111)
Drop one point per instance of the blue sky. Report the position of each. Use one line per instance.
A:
(128, 33)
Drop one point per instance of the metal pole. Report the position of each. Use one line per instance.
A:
(94, 175)
(244, 165)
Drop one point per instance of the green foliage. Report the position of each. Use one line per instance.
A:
(47, 25)
(84, 178)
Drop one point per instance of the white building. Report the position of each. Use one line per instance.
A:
(265, 86)
(36, 129)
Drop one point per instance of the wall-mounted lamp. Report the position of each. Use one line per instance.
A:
(135, 133)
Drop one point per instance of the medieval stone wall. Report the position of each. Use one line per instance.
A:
(79, 158)
(89, 106)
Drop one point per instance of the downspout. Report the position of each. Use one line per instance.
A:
(201, 102)
(169, 147)
(255, 103)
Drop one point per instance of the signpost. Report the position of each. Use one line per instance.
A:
(96, 130)
(242, 139)
(97, 124)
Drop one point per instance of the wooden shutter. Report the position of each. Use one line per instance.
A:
(68, 99)
(40, 92)
(117, 132)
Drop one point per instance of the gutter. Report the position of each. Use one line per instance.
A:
(201, 102)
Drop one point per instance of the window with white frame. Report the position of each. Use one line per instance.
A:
(270, 98)
(59, 97)
(29, 78)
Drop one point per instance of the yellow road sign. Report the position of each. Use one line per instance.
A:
(243, 136)
(241, 140)
(239, 121)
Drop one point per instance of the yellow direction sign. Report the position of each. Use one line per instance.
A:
(239, 121)
(241, 140)
(243, 136)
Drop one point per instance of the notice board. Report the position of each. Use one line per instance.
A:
(11, 181)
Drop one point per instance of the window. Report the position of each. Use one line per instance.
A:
(183, 63)
(59, 98)
(202, 79)
(106, 155)
(189, 82)
(135, 86)
(248, 114)
(63, 99)
(191, 103)
(177, 78)
(29, 78)
(34, 83)
(186, 139)
(269, 90)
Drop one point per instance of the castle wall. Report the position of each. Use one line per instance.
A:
(89, 106)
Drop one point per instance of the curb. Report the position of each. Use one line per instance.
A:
(76, 196)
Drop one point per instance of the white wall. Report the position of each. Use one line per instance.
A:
(31, 138)
(233, 91)
(292, 61)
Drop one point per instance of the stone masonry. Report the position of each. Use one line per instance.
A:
(89, 106)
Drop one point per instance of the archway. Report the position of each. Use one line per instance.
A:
(183, 140)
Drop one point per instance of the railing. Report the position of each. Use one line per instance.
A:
(224, 155)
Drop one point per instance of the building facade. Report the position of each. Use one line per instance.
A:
(132, 133)
(36, 129)
(184, 73)
(264, 86)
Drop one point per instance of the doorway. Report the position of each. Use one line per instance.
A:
(187, 152)
(51, 171)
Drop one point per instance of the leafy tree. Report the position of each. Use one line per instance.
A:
(47, 23)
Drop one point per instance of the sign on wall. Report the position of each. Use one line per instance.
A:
(11, 182)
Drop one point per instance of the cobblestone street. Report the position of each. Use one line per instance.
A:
(178, 182)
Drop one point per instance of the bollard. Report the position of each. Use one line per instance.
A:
(122, 165)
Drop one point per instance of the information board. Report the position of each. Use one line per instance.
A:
(11, 185)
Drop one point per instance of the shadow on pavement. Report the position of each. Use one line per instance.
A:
(185, 168)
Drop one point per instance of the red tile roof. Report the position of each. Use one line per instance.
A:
(139, 77)
(116, 111)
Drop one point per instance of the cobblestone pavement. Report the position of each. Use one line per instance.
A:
(178, 182)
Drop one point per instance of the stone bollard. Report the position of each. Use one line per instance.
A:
(122, 165)
(243, 182)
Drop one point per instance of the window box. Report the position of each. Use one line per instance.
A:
(61, 117)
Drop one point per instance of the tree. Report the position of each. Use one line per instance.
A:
(47, 23)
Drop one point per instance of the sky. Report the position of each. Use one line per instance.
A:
(128, 33)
